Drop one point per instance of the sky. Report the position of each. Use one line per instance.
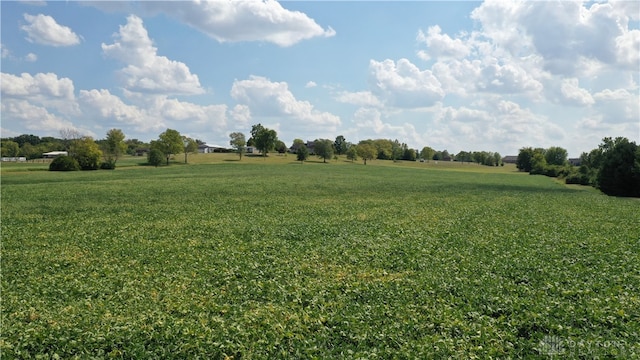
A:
(456, 76)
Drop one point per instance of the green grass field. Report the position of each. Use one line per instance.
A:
(269, 259)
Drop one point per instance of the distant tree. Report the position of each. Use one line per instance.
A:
(155, 157)
(366, 151)
(497, 159)
(169, 143)
(264, 139)
(302, 153)
(297, 143)
(238, 142)
(556, 156)
(352, 153)
(464, 156)
(281, 147)
(408, 154)
(538, 163)
(114, 146)
(396, 150)
(134, 145)
(525, 158)
(10, 148)
(323, 148)
(340, 145)
(427, 153)
(86, 152)
(190, 146)
(384, 148)
(68, 136)
(27, 139)
(619, 173)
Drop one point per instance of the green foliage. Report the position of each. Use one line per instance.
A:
(155, 157)
(427, 153)
(86, 152)
(64, 163)
(264, 139)
(9, 148)
(340, 145)
(323, 148)
(352, 153)
(482, 268)
(238, 142)
(619, 173)
(366, 151)
(281, 147)
(169, 143)
(556, 156)
(302, 153)
(113, 147)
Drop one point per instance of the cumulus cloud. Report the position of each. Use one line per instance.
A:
(403, 84)
(274, 99)
(441, 45)
(35, 118)
(360, 98)
(44, 30)
(233, 21)
(241, 115)
(573, 94)
(311, 84)
(42, 89)
(146, 71)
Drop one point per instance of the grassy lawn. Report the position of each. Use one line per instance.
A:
(268, 258)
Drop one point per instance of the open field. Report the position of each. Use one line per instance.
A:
(272, 259)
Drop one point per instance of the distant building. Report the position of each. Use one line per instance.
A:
(207, 148)
(54, 154)
(510, 159)
(575, 161)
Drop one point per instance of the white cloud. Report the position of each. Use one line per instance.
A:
(107, 107)
(43, 89)
(233, 21)
(574, 94)
(241, 115)
(403, 84)
(441, 45)
(31, 57)
(311, 84)
(192, 114)
(360, 98)
(274, 99)
(628, 49)
(35, 118)
(146, 71)
(43, 29)
(4, 51)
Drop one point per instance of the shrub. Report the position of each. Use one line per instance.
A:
(64, 163)
(108, 165)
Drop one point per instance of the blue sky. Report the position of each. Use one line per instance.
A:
(493, 75)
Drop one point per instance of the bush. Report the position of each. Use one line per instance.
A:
(108, 165)
(64, 163)
(155, 157)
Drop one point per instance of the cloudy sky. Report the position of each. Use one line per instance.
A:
(493, 75)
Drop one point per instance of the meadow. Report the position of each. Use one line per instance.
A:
(273, 259)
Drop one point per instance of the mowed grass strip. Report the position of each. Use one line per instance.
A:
(281, 260)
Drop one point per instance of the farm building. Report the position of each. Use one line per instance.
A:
(207, 148)
(510, 159)
(54, 154)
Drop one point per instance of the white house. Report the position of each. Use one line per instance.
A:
(208, 148)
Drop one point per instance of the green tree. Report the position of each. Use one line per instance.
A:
(155, 157)
(525, 158)
(10, 148)
(366, 151)
(427, 153)
(619, 174)
(114, 146)
(352, 153)
(538, 163)
(302, 153)
(340, 145)
(297, 143)
(323, 148)
(264, 139)
(384, 148)
(556, 156)
(238, 142)
(281, 147)
(64, 163)
(190, 146)
(169, 143)
(86, 152)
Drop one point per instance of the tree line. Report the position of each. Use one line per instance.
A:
(613, 167)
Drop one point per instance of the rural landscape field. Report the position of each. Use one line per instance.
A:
(274, 259)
